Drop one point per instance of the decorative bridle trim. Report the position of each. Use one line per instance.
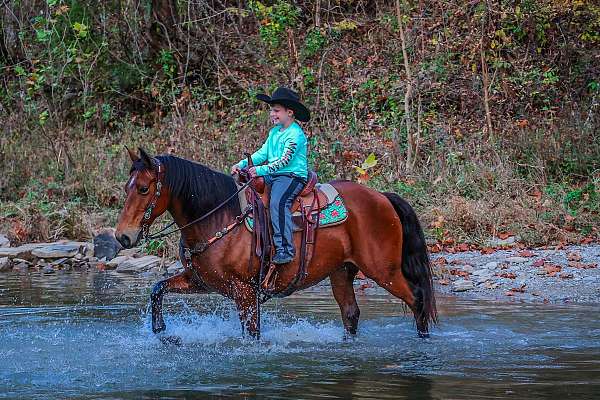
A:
(150, 209)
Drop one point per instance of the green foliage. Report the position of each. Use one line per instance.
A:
(315, 41)
(274, 19)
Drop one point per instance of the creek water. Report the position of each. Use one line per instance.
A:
(87, 335)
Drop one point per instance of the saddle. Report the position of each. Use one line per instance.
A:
(306, 210)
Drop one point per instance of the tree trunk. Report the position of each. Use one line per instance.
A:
(407, 94)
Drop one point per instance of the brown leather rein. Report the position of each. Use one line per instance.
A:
(161, 233)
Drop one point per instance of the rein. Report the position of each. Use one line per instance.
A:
(161, 233)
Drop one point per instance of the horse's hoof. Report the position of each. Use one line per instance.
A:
(176, 340)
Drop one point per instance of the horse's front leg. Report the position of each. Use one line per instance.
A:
(248, 308)
(181, 283)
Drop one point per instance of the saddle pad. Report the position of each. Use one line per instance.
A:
(333, 214)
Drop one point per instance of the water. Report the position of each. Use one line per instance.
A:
(87, 335)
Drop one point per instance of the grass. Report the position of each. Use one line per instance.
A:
(466, 191)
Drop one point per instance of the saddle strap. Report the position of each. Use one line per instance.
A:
(308, 239)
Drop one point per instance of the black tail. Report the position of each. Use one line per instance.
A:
(415, 261)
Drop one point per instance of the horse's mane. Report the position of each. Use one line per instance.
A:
(199, 187)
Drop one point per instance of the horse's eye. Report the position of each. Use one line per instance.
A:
(143, 190)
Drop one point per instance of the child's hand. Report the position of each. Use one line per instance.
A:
(235, 169)
(252, 172)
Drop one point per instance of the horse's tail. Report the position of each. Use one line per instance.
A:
(416, 266)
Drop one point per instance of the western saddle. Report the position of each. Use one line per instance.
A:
(304, 208)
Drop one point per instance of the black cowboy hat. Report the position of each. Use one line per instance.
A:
(289, 99)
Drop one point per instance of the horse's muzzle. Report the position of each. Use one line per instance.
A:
(128, 240)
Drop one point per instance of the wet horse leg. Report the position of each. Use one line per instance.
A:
(248, 308)
(392, 279)
(343, 292)
(181, 283)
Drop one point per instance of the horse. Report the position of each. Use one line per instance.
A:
(382, 238)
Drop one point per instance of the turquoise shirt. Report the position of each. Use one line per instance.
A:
(284, 152)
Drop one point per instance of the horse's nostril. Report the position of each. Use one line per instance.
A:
(124, 240)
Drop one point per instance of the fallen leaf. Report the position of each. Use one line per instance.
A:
(580, 265)
(463, 247)
(504, 235)
(510, 294)
(587, 240)
(520, 289)
(552, 269)
(436, 248)
(509, 275)
(539, 263)
(487, 250)
(526, 253)
(365, 285)
(565, 275)
(440, 261)
(574, 256)
(444, 282)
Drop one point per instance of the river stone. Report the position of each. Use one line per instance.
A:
(491, 265)
(509, 241)
(63, 250)
(517, 260)
(462, 285)
(48, 270)
(115, 262)
(136, 265)
(175, 268)
(106, 245)
(5, 264)
(21, 266)
(4, 242)
(23, 251)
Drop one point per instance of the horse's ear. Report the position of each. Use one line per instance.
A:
(146, 158)
(134, 157)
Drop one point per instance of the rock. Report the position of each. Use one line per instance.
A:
(133, 252)
(509, 241)
(491, 265)
(115, 262)
(136, 265)
(106, 245)
(175, 268)
(462, 285)
(467, 268)
(517, 260)
(22, 266)
(23, 251)
(48, 270)
(62, 250)
(60, 261)
(5, 264)
(4, 242)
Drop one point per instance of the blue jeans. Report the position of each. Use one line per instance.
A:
(284, 189)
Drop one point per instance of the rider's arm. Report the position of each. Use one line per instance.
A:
(258, 157)
(290, 147)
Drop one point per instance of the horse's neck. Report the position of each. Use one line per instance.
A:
(202, 230)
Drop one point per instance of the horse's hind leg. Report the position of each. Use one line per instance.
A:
(181, 283)
(392, 280)
(343, 291)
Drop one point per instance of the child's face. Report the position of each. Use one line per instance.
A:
(281, 115)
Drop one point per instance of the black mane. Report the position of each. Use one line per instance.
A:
(199, 187)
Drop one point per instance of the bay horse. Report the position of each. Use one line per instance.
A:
(381, 237)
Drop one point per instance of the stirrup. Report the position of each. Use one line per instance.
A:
(268, 284)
